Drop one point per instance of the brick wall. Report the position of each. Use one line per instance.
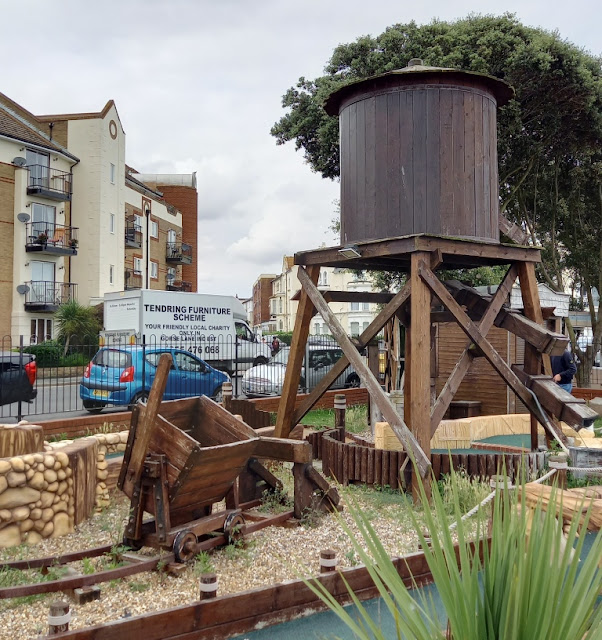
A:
(262, 291)
(7, 204)
(185, 199)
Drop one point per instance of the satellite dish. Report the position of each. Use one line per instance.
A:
(19, 161)
(23, 217)
(22, 288)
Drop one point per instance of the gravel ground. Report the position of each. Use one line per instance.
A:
(268, 556)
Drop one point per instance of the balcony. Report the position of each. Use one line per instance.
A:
(179, 285)
(51, 239)
(133, 234)
(178, 253)
(132, 279)
(49, 183)
(48, 296)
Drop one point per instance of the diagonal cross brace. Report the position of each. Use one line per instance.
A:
(463, 365)
(376, 393)
(494, 358)
(343, 362)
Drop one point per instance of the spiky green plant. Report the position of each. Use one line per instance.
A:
(526, 585)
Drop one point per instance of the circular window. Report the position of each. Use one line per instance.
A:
(113, 129)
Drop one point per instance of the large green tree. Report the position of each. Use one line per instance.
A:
(549, 136)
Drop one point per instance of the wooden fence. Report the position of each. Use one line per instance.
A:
(349, 462)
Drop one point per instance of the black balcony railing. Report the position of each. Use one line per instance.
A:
(133, 234)
(48, 296)
(178, 253)
(132, 279)
(179, 285)
(52, 238)
(49, 183)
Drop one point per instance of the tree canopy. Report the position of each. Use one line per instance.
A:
(549, 136)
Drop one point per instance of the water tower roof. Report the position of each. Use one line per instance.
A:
(417, 71)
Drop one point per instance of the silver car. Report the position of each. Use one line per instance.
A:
(267, 379)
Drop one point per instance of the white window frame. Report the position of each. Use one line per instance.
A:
(355, 328)
(154, 270)
(112, 172)
(111, 223)
(137, 265)
(137, 222)
(154, 229)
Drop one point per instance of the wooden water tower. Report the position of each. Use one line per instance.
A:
(419, 192)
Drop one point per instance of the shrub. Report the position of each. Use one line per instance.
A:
(48, 353)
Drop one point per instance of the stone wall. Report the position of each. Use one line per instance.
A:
(105, 469)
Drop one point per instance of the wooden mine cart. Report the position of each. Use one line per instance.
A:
(184, 456)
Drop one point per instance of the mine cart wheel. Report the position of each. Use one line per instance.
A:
(233, 527)
(136, 545)
(184, 546)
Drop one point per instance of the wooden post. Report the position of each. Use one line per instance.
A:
(373, 365)
(208, 586)
(340, 405)
(420, 370)
(292, 377)
(59, 617)
(559, 462)
(328, 561)
(227, 395)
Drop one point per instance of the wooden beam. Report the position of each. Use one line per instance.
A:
(420, 370)
(463, 365)
(374, 389)
(353, 296)
(283, 449)
(292, 377)
(496, 361)
(371, 331)
(513, 231)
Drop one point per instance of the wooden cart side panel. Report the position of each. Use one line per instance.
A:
(183, 413)
(172, 441)
(217, 426)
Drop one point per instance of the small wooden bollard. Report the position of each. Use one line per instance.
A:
(208, 586)
(328, 561)
(59, 617)
(226, 394)
(559, 462)
(340, 406)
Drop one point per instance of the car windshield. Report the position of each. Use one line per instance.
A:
(281, 357)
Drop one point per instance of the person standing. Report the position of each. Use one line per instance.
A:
(564, 370)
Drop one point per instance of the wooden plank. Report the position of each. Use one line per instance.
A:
(436, 462)
(376, 393)
(490, 353)
(370, 467)
(146, 424)
(513, 231)
(378, 467)
(386, 458)
(371, 331)
(463, 365)
(286, 408)
(473, 466)
(283, 449)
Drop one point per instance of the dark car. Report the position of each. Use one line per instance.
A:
(17, 377)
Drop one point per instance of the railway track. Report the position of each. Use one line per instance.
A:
(133, 562)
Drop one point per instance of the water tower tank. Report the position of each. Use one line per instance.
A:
(419, 154)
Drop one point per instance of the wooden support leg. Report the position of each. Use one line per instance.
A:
(420, 372)
(303, 490)
(305, 311)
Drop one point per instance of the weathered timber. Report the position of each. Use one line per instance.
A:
(557, 401)
(543, 339)
(286, 409)
(463, 365)
(376, 393)
(371, 331)
(512, 231)
(283, 449)
(496, 361)
(352, 296)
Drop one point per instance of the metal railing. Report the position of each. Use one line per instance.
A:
(44, 234)
(179, 285)
(49, 293)
(53, 181)
(178, 252)
(132, 279)
(133, 233)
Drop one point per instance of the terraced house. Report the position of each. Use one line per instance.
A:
(77, 222)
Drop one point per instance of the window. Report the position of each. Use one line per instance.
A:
(365, 306)
(137, 222)
(137, 265)
(365, 326)
(243, 333)
(38, 164)
(154, 229)
(171, 236)
(154, 270)
(171, 275)
(323, 279)
(43, 219)
(355, 328)
(279, 305)
(111, 274)
(112, 223)
(112, 173)
(355, 306)
(41, 329)
(317, 328)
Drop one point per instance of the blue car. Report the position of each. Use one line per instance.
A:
(124, 375)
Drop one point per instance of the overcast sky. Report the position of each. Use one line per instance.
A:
(198, 85)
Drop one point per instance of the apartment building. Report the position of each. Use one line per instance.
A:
(353, 316)
(76, 222)
(262, 290)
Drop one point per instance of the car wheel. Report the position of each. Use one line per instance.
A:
(218, 395)
(353, 381)
(142, 395)
(93, 407)
(260, 360)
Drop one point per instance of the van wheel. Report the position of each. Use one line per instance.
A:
(143, 395)
(93, 407)
(353, 381)
(260, 360)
